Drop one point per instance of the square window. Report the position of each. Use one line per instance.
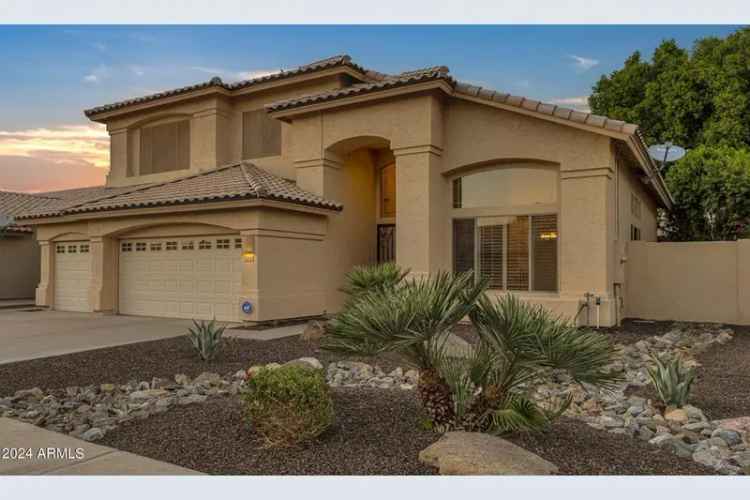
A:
(204, 245)
(140, 246)
(187, 245)
(72, 248)
(126, 247)
(238, 243)
(155, 247)
(60, 248)
(222, 243)
(171, 245)
(84, 248)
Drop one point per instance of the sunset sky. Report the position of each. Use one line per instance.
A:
(50, 74)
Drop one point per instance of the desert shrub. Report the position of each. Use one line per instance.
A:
(486, 387)
(373, 278)
(672, 381)
(289, 405)
(206, 338)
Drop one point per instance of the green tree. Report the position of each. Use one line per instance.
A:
(711, 187)
(690, 99)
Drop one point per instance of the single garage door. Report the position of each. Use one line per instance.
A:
(197, 278)
(72, 276)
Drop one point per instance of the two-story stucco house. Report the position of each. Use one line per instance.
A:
(268, 191)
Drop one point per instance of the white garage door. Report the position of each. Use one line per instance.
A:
(72, 276)
(197, 278)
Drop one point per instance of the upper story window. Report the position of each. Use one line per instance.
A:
(165, 147)
(261, 135)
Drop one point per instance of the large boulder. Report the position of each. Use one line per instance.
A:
(477, 454)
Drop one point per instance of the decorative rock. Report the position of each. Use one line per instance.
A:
(182, 379)
(147, 394)
(473, 453)
(731, 437)
(305, 363)
(207, 379)
(645, 433)
(93, 434)
(35, 393)
(193, 398)
(313, 331)
(240, 375)
(660, 439)
(107, 388)
(676, 415)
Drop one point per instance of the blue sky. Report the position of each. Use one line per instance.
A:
(49, 74)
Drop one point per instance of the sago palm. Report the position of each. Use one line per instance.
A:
(414, 319)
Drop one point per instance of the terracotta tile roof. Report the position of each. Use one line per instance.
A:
(62, 200)
(15, 204)
(381, 82)
(237, 181)
(330, 62)
(545, 108)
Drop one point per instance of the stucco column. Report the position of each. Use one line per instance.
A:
(44, 291)
(103, 284)
(249, 280)
(587, 239)
(421, 209)
(320, 175)
(209, 139)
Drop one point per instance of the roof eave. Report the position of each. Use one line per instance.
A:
(294, 79)
(222, 204)
(288, 113)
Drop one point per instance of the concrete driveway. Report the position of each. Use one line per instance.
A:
(38, 334)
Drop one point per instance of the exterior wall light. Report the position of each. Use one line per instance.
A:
(549, 235)
(248, 256)
(248, 250)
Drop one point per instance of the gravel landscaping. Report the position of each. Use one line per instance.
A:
(723, 386)
(578, 449)
(123, 396)
(159, 358)
(375, 432)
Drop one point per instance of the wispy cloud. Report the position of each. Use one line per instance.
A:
(583, 63)
(579, 103)
(234, 75)
(97, 74)
(70, 144)
(137, 70)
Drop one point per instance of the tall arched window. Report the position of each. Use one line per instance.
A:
(492, 235)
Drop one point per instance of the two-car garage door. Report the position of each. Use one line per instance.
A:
(185, 277)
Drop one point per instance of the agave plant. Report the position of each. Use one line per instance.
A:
(672, 380)
(373, 278)
(206, 338)
(486, 386)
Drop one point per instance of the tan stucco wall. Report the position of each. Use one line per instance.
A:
(286, 279)
(435, 138)
(432, 137)
(694, 281)
(19, 266)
